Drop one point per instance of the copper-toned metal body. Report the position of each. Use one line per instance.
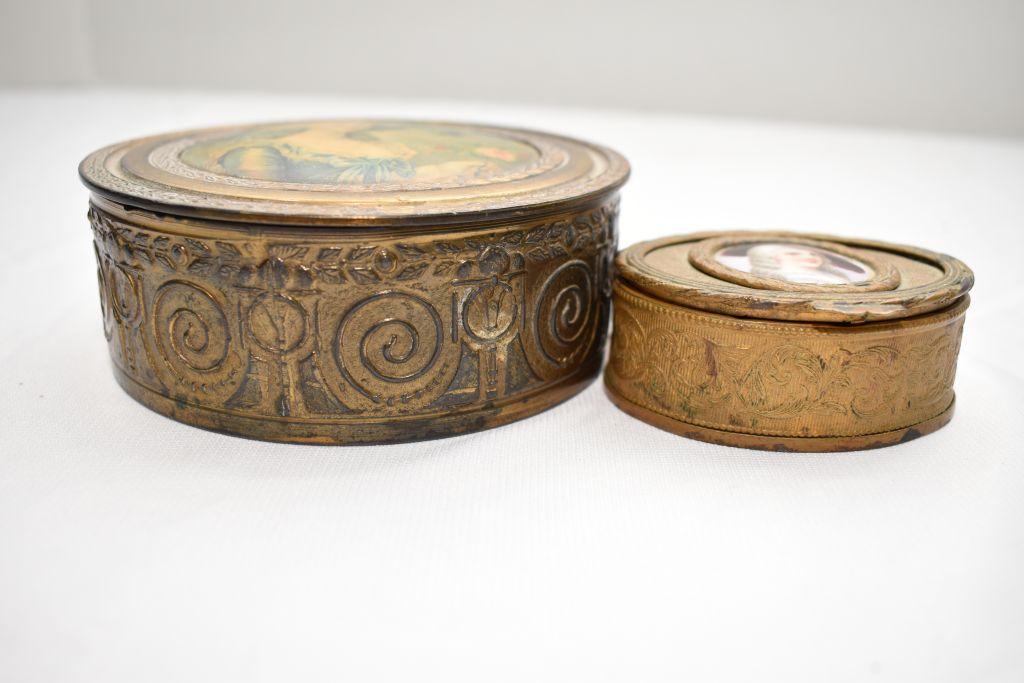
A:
(748, 360)
(458, 280)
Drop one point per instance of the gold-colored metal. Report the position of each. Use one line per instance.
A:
(283, 283)
(353, 173)
(722, 370)
(885, 277)
(672, 269)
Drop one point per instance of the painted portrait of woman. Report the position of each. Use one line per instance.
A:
(794, 262)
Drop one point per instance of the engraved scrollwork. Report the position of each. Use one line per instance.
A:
(628, 335)
(866, 375)
(786, 381)
(934, 366)
(704, 372)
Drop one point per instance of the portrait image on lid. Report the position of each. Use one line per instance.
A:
(793, 262)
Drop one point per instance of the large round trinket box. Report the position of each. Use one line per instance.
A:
(787, 342)
(354, 281)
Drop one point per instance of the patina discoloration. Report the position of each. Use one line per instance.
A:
(769, 368)
(365, 325)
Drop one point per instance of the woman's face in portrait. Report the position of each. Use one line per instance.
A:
(797, 258)
(796, 263)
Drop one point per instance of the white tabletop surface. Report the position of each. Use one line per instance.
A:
(579, 545)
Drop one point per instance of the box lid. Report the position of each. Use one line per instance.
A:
(353, 172)
(793, 276)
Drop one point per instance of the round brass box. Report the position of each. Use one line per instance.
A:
(354, 281)
(787, 342)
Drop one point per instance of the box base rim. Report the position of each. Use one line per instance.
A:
(782, 444)
(369, 433)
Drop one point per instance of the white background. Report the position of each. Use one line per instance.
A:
(579, 545)
(954, 65)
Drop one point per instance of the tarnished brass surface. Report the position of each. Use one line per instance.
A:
(672, 269)
(358, 329)
(803, 444)
(345, 337)
(783, 384)
(353, 172)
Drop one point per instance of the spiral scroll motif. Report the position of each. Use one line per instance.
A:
(566, 318)
(124, 295)
(193, 336)
(108, 329)
(353, 336)
(387, 345)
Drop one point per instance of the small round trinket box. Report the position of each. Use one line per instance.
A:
(354, 281)
(787, 342)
